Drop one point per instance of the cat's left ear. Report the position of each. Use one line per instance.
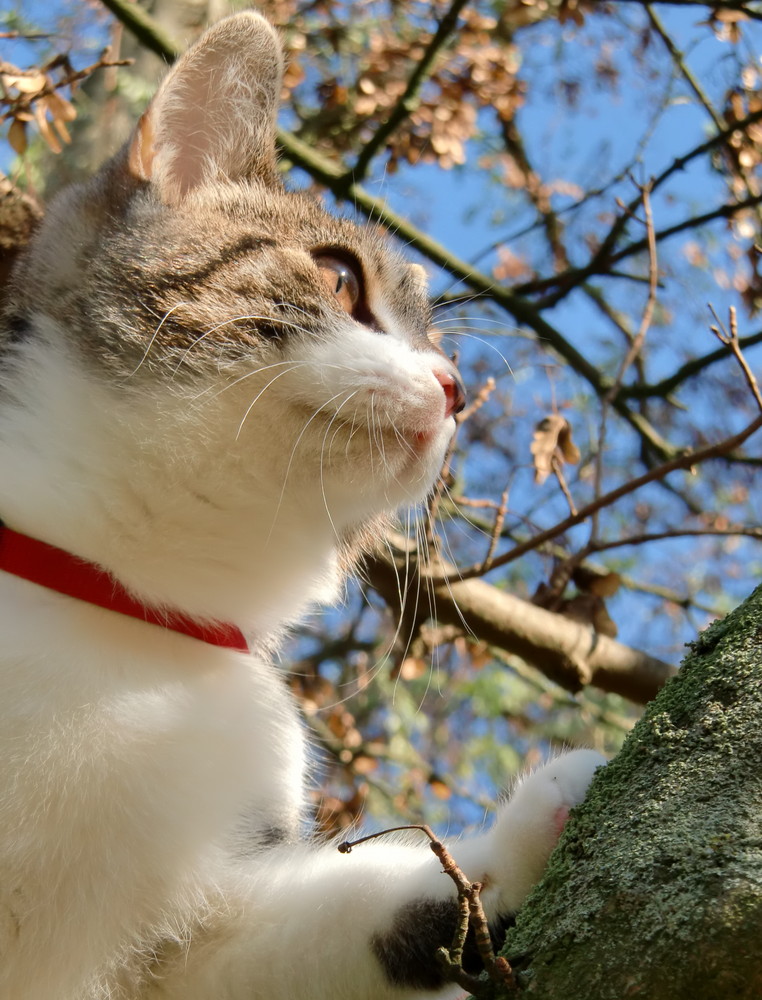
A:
(213, 117)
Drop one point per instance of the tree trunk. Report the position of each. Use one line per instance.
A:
(656, 888)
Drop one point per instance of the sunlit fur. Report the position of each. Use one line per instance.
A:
(183, 402)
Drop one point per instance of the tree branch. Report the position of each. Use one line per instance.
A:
(686, 371)
(147, 31)
(739, 531)
(569, 653)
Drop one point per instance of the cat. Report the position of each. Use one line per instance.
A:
(211, 391)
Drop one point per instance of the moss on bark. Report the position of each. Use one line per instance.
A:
(655, 890)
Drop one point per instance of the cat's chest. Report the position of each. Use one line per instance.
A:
(120, 724)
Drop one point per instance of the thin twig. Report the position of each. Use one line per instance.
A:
(685, 461)
(679, 60)
(739, 531)
(558, 472)
(478, 401)
(497, 529)
(25, 36)
(732, 341)
(476, 504)
(601, 264)
(471, 913)
(718, 120)
(635, 347)
(693, 367)
(23, 101)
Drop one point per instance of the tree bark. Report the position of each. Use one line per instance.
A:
(655, 890)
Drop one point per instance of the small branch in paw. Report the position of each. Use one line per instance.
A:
(471, 915)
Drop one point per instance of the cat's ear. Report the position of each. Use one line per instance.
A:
(213, 117)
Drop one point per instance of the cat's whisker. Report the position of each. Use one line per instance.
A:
(292, 364)
(254, 401)
(371, 426)
(463, 516)
(382, 447)
(243, 317)
(448, 584)
(288, 324)
(402, 587)
(286, 474)
(429, 590)
(479, 325)
(404, 444)
(356, 426)
(330, 443)
(412, 616)
(486, 343)
(352, 431)
(378, 437)
(154, 336)
(322, 478)
(460, 300)
(243, 378)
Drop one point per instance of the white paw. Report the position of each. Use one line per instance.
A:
(529, 825)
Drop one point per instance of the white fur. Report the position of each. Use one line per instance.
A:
(133, 759)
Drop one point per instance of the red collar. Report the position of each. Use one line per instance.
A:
(57, 570)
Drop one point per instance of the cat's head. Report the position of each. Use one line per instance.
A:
(229, 327)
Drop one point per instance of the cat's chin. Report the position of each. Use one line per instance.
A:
(423, 455)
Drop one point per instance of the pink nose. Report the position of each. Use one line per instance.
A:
(455, 394)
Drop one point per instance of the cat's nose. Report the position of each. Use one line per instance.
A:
(455, 394)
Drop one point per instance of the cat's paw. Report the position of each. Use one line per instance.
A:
(529, 825)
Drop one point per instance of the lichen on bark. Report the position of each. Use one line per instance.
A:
(655, 890)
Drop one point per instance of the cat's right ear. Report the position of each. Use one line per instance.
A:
(213, 117)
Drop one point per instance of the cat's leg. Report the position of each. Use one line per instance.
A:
(314, 924)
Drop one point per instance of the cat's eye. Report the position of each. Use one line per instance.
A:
(342, 279)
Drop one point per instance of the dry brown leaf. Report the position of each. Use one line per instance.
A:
(59, 108)
(412, 668)
(568, 11)
(605, 585)
(568, 448)
(729, 16)
(596, 582)
(552, 438)
(587, 609)
(46, 131)
(480, 655)
(439, 788)
(363, 764)
(62, 130)
(31, 84)
(17, 136)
